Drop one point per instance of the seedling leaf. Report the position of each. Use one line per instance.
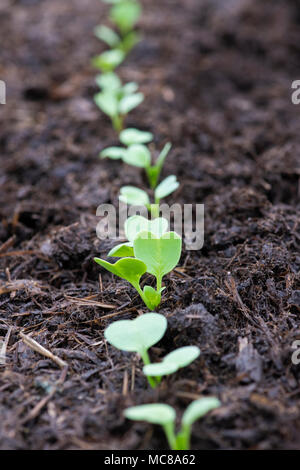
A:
(182, 357)
(108, 81)
(125, 14)
(134, 196)
(108, 35)
(137, 155)
(138, 223)
(199, 408)
(115, 153)
(130, 102)
(130, 269)
(107, 102)
(121, 251)
(161, 254)
(134, 136)
(166, 187)
(155, 413)
(137, 335)
(108, 60)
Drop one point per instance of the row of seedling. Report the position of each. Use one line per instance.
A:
(150, 247)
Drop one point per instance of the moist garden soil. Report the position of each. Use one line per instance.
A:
(217, 82)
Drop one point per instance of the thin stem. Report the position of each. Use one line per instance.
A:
(170, 434)
(117, 122)
(183, 438)
(158, 283)
(146, 360)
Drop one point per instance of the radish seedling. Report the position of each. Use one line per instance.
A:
(116, 100)
(138, 154)
(165, 415)
(137, 335)
(138, 197)
(156, 254)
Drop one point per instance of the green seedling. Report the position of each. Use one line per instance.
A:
(117, 100)
(115, 41)
(137, 335)
(155, 253)
(173, 361)
(137, 154)
(138, 197)
(165, 416)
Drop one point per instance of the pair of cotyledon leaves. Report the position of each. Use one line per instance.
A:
(155, 251)
(140, 334)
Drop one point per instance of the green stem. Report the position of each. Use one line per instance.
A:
(146, 360)
(170, 434)
(154, 210)
(183, 438)
(158, 283)
(117, 122)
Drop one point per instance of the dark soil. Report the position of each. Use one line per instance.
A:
(217, 79)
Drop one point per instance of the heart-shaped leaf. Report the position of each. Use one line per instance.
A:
(137, 335)
(137, 155)
(161, 254)
(138, 223)
(199, 408)
(121, 251)
(155, 413)
(134, 196)
(134, 136)
(166, 187)
(130, 269)
(115, 153)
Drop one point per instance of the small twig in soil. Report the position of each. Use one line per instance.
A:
(41, 350)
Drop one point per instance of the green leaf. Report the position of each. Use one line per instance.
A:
(199, 408)
(130, 102)
(159, 369)
(154, 171)
(177, 359)
(134, 196)
(115, 153)
(125, 14)
(130, 88)
(107, 102)
(137, 155)
(155, 413)
(134, 136)
(182, 356)
(108, 35)
(166, 187)
(137, 335)
(108, 60)
(163, 154)
(152, 297)
(130, 269)
(122, 251)
(129, 41)
(137, 223)
(161, 254)
(108, 81)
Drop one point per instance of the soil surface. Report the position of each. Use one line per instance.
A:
(217, 82)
